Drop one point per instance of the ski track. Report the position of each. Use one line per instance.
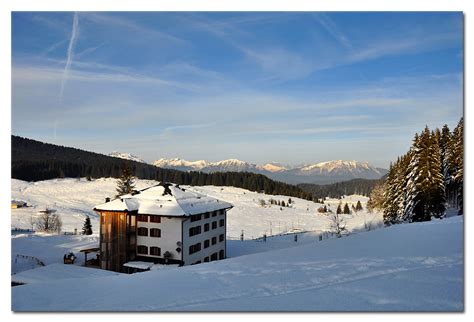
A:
(366, 268)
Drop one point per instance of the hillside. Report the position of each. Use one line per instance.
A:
(74, 199)
(411, 267)
(335, 190)
(33, 160)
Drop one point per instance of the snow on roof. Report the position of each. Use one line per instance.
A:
(58, 271)
(165, 199)
(139, 265)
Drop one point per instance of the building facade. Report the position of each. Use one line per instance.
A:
(162, 224)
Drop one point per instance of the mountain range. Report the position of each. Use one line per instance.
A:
(318, 173)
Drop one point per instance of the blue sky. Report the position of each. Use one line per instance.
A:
(287, 87)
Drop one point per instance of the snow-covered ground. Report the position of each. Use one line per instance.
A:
(409, 267)
(73, 199)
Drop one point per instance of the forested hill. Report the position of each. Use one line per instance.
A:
(335, 190)
(33, 161)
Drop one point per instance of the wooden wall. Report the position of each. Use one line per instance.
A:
(117, 239)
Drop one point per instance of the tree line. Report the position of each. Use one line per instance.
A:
(426, 180)
(33, 161)
(336, 190)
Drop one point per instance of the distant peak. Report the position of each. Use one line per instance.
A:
(126, 156)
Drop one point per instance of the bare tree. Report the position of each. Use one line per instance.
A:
(48, 222)
(338, 225)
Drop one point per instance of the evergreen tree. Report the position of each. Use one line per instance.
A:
(456, 165)
(390, 194)
(87, 228)
(425, 187)
(445, 153)
(339, 209)
(346, 209)
(358, 206)
(435, 190)
(125, 184)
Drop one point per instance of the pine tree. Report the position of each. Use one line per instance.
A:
(358, 206)
(425, 187)
(456, 164)
(435, 190)
(444, 140)
(390, 207)
(346, 209)
(125, 184)
(339, 209)
(87, 228)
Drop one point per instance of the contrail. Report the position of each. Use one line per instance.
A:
(70, 53)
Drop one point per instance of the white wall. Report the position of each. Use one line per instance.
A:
(170, 235)
(204, 252)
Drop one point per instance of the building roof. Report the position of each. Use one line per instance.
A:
(165, 199)
(139, 264)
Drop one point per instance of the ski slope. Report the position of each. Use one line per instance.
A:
(409, 267)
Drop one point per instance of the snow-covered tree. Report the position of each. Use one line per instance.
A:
(425, 186)
(455, 164)
(126, 182)
(338, 226)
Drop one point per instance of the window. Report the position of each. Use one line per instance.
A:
(206, 227)
(222, 212)
(206, 243)
(194, 248)
(214, 240)
(221, 237)
(206, 215)
(221, 254)
(155, 251)
(143, 218)
(214, 213)
(214, 257)
(141, 249)
(221, 223)
(214, 224)
(155, 232)
(156, 219)
(194, 231)
(142, 231)
(195, 218)
(206, 259)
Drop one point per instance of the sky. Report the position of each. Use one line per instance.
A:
(287, 87)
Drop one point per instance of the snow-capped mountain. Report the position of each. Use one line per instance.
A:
(320, 173)
(180, 164)
(126, 156)
(341, 167)
(233, 165)
(274, 167)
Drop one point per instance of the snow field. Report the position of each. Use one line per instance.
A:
(410, 267)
